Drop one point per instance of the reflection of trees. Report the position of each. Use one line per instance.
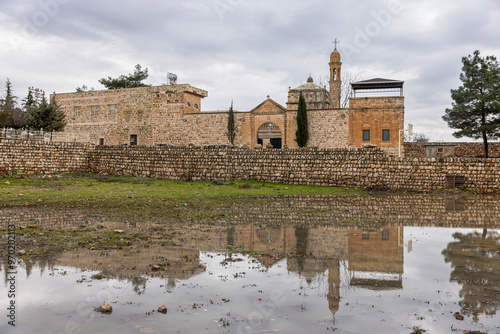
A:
(475, 258)
(139, 284)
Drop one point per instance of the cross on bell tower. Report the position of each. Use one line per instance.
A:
(336, 41)
(335, 78)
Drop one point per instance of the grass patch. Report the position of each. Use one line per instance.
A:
(144, 197)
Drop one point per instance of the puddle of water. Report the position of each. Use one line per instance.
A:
(295, 280)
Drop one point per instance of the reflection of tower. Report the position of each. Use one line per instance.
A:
(230, 236)
(335, 79)
(301, 235)
(334, 287)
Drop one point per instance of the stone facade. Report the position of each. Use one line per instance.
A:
(351, 167)
(172, 115)
(373, 117)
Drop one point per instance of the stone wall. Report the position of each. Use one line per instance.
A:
(32, 157)
(363, 168)
(376, 114)
(417, 150)
(327, 128)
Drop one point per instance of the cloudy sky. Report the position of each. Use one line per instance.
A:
(244, 50)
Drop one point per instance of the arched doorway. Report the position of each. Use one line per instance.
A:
(269, 133)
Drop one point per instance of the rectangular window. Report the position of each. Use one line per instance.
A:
(77, 111)
(140, 116)
(366, 135)
(112, 109)
(127, 116)
(94, 111)
(386, 135)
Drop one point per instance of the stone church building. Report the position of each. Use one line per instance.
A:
(172, 115)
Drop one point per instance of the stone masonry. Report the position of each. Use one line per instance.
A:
(172, 115)
(351, 167)
(417, 150)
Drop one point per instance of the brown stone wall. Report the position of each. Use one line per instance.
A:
(328, 129)
(154, 114)
(31, 157)
(362, 168)
(417, 150)
(376, 114)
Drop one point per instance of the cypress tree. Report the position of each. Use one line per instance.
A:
(302, 133)
(231, 127)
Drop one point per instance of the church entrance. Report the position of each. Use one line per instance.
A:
(269, 133)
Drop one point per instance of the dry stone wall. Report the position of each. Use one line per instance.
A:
(354, 167)
(31, 157)
(364, 168)
(417, 150)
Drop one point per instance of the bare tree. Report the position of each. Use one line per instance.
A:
(417, 137)
(345, 88)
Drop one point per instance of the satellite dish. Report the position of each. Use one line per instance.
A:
(171, 78)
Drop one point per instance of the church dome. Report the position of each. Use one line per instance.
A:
(335, 56)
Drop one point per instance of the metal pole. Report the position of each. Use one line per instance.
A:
(400, 131)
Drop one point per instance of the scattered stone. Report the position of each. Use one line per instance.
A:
(98, 276)
(217, 183)
(155, 267)
(6, 182)
(118, 231)
(369, 146)
(269, 146)
(21, 252)
(458, 316)
(105, 308)
(20, 195)
(162, 309)
(258, 146)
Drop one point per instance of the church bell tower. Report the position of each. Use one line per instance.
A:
(335, 79)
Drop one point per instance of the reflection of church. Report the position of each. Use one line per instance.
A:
(374, 259)
(371, 259)
(172, 114)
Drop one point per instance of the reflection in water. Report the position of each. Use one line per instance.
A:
(315, 239)
(301, 235)
(377, 252)
(475, 259)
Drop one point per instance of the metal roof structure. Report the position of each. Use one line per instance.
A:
(378, 85)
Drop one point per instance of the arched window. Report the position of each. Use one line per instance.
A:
(188, 104)
(196, 105)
